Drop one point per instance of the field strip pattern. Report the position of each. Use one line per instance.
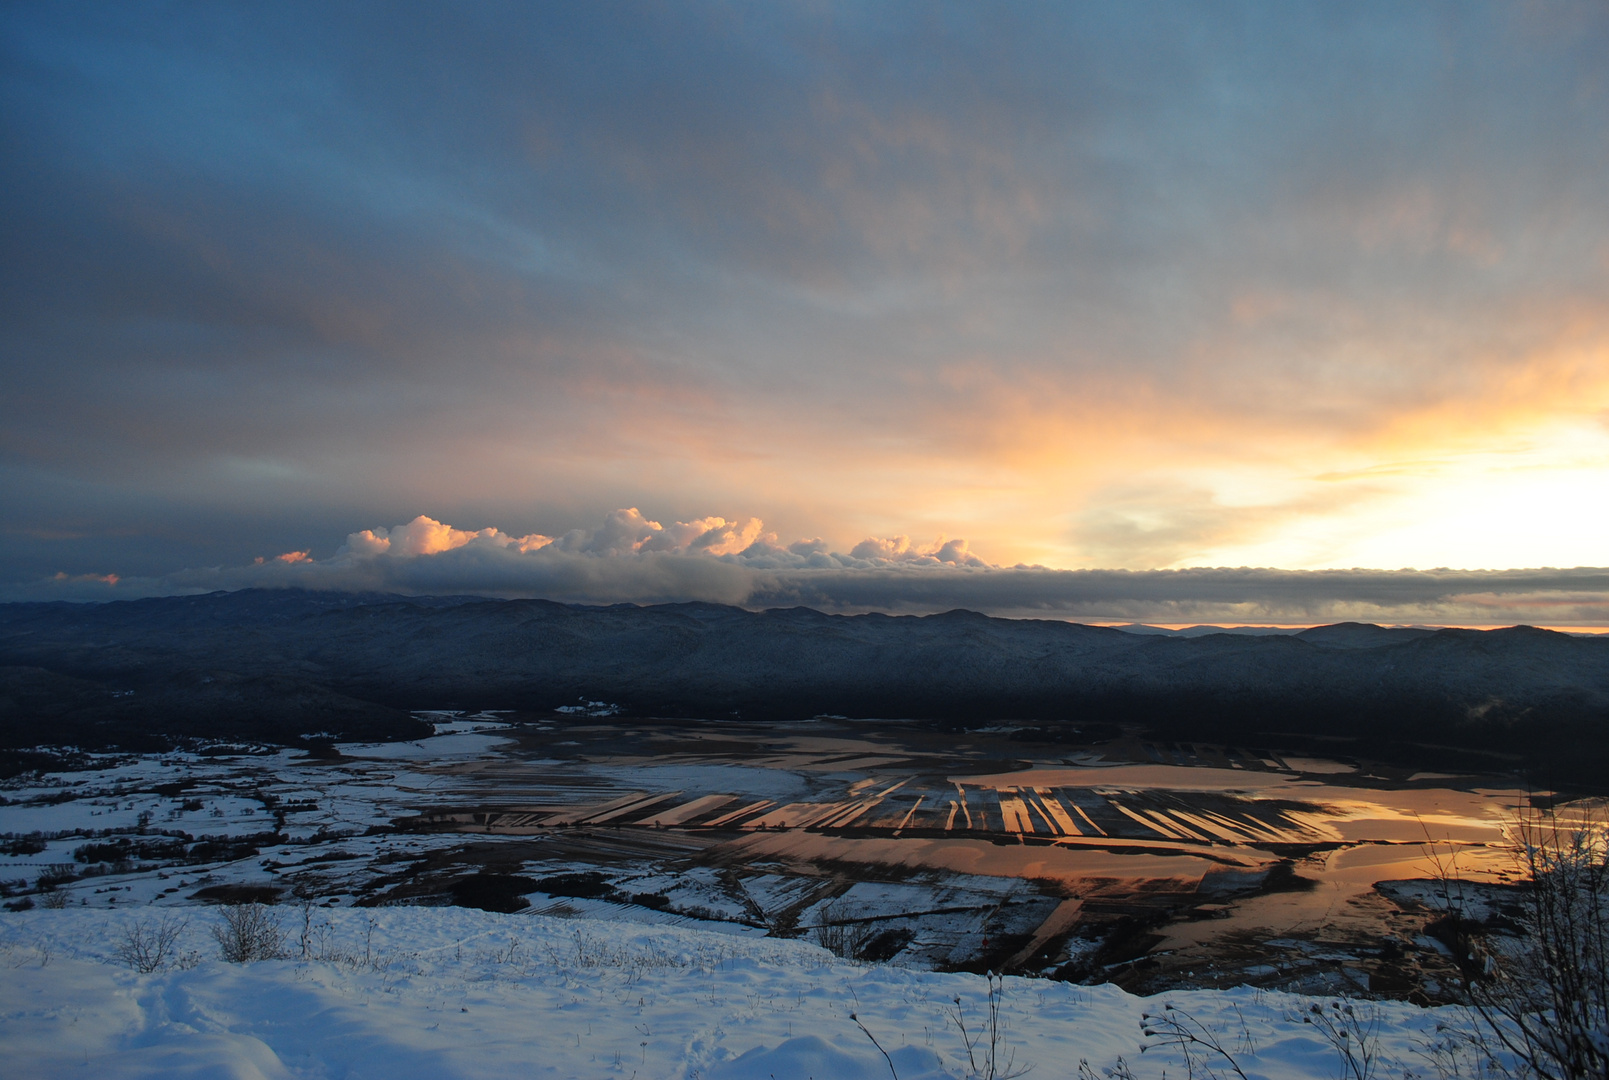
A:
(919, 806)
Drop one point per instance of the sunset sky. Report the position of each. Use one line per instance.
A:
(856, 304)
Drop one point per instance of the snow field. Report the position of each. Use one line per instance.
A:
(400, 993)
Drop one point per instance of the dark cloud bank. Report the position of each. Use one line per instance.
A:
(632, 560)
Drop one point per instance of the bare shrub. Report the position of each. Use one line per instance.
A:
(1198, 1044)
(840, 934)
(14, 956)
(1463, 1052)
(56, 874)
(1353, 1030)
(893, 1071)
(55, 900)
(1545, 1000)
(148, 945)
(984, 1043)
(249, 932)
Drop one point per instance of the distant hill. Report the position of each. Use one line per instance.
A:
(280, 664)
(1202, 631)
(1351, 635)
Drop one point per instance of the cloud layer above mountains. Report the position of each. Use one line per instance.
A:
(631, 559)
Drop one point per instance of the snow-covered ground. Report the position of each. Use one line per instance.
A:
(437, 993)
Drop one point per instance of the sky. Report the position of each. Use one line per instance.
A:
(895, 306)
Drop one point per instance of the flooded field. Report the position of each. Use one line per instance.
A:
(1146, 864)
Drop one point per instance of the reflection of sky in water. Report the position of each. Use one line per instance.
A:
(767, 783)
(1356, 814)
(1137, 777)
(1419, 815)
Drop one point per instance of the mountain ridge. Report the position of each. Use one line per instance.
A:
(281, 664)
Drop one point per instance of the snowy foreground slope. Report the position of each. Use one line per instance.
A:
(436, 993)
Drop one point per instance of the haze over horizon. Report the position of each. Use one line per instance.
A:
(1028, 308)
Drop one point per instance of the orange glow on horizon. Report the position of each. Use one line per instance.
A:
(1298, 627)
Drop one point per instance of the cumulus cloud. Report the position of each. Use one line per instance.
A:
(627, 532)
(426, 536)
(85, 584)
(899, 549)
(629, 558)
(287, 557)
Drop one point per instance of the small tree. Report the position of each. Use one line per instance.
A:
(249, 932)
